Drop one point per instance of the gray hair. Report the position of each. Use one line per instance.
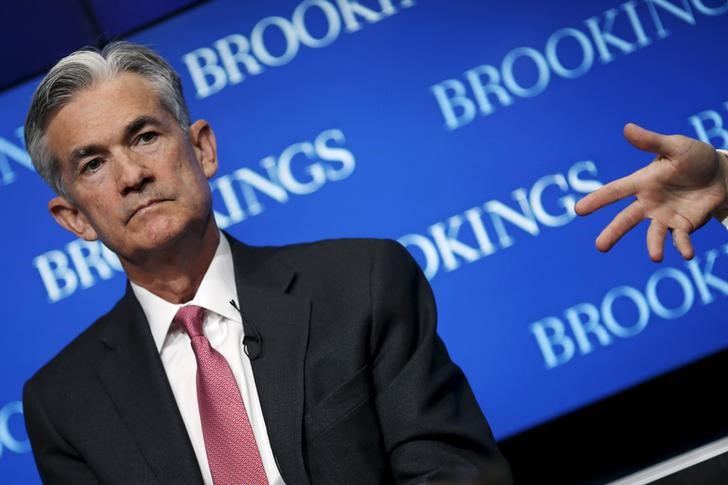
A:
(81, 70)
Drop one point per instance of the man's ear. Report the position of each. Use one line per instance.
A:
(203, 142)
(69, 217)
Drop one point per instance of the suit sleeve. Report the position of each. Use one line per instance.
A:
(432, 425)
(57, 462)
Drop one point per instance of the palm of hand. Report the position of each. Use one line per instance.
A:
(678, 191)
(681, 191)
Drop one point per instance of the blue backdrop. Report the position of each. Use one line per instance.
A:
(466, 130)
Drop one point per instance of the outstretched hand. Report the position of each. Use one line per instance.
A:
(678, 190)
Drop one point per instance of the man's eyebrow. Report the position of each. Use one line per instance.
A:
(83, 152)
(140, 123)
(130, 130)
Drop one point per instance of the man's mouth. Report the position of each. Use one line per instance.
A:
(144, 206)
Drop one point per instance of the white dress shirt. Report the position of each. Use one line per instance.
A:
(223, 327)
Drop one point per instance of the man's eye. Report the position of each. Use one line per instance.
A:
(92, 165)
(147, 137)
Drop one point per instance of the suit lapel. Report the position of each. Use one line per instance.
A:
(282, 321)
(134, 377)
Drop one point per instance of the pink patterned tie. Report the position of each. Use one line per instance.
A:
(229, 441)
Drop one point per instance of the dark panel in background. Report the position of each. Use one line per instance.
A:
(116, 18)
(36, 33)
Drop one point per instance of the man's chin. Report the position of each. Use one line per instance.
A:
(153, 236)
(161, 239)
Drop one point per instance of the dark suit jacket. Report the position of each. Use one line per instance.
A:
(354, 384)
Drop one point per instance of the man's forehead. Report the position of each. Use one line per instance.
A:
(112, 99)
(102, 111)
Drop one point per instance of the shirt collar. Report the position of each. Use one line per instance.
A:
(216, 291)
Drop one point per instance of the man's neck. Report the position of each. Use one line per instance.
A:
(175, 274)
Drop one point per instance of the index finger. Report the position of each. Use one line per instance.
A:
(612, 192)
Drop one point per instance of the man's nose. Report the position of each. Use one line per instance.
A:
(132, 172)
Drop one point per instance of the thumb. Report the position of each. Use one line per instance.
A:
(646, 140)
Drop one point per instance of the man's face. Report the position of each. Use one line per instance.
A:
(133, 177)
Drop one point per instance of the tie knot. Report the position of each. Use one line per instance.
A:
(190, 318)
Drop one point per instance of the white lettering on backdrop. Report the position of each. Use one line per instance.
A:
(485, 87)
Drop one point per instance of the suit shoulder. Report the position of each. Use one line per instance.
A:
(80, 353)
(342, 248)
(352, 253)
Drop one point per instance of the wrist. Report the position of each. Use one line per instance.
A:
(723, 161)
(721, 212)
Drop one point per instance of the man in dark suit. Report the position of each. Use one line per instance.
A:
(323, 355)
